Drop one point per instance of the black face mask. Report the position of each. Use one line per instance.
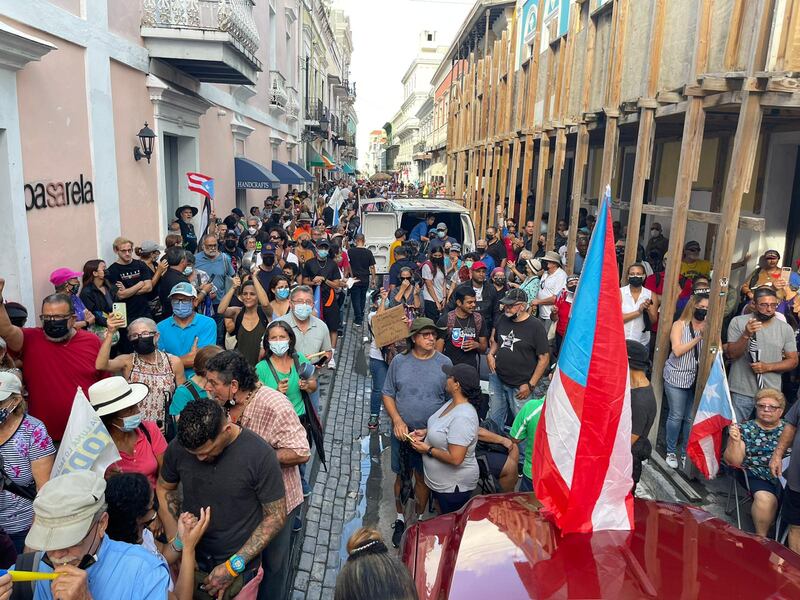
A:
(56, 329)
(540, 244)
(230, 244)
(489, 239)
(636, 281)
(437, 260)
(761, 317)
(145, 345)
(572, 288)
(700, 314)
(306, 243)
(268, 260)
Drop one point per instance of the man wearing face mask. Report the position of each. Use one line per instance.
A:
(441, 238)
(657, 242)
(229, 245)
(66, 281)
(185, 332)
(56, 359)
(483, 256)
(518, 358)
(175, 274)
(561, 310)
(637, 301)
(495, 248)
(312, 334)
(269, 266)
(761, 348)
(69, 531)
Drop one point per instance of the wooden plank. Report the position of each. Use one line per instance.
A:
(533, 71)
(512, 184)
(505, 162)
(717, 186)
(578, 174)
(701, 216)
(511, 81)
(527, 167)
(734, 34)
(555, 185)
(544, 157)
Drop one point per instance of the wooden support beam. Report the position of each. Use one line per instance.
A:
(527, 167)
(512, 184)
(493, 185)
(502, 187)
(555, 184)
(544, 157)
(717, 186)
(578, 174)
(700, 216)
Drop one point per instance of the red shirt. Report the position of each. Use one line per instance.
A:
(54, 371)
(564, 308)
(144, 459)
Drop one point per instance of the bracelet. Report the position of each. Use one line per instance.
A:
(230, 570)
(176, 544)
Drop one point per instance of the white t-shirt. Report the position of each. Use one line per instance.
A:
(438, 283)
(634, 327)
(551, 285)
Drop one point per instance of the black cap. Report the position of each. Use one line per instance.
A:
(237, 211)
(465, 375)
(323, 243)
(638, 356)
(514, 296)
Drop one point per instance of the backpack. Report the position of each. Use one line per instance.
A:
(451, 320)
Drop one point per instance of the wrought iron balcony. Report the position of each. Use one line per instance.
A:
(211, 40)
(318, 117)
(293, 104)
(278, 96)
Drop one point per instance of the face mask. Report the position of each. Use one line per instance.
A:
(282, 294)
(56, 329)
(761, 317)
(468, 264)
(230, 244)
(6, 412)
(489, 239)
(572, 288)
(655, 232)
(437, 260)
(636, 281)
(302, 311)
(700, 314)
(306, 243)
(323, 254)
(145, 345)
(130, 423)
(187, 271)
(182, 308)
(441, 234)
(279, 347)
(251, 230)
(499, 280)
(268, 260)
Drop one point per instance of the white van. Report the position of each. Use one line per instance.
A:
(387, 216)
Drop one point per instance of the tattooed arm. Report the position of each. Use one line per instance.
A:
(274, 518)
(169, 502)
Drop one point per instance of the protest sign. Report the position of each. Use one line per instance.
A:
(389, 326)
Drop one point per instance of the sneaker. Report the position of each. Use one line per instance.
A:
(399, 527)
(298, 524)
(331, 364)
(672, 460)
(365, 339)
(373, 422)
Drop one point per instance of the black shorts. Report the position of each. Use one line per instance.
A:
(759, 485)
(496, 461)
(330, 315)
(791, 506)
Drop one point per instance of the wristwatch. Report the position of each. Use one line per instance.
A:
(430, 452)
(237, 563)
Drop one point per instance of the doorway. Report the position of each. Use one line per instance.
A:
(793, 229)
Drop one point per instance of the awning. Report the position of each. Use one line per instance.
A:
(285, 173)
(302, 172)
(314, 159)
(330, 163)
(252, 176)
(348, 169)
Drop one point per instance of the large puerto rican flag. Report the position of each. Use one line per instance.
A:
(582, 452)
(714, 414)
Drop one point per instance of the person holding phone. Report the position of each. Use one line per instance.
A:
(768, 272)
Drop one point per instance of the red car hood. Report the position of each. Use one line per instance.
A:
(501, 547)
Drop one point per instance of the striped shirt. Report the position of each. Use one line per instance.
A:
(29, 443)
(681, 371)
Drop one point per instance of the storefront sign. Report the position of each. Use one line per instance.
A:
(58, 193)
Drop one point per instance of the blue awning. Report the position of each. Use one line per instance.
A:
(347, 168)
(252, 176)
(285, 173)
(303, 173)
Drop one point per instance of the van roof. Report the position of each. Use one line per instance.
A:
(426, 205)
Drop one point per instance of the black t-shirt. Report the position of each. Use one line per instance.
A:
(189, 236)
(497, 250)
(643, 410)
(168, 280)
(519, 345)
(129, 275)
(462, 330)
(265, 277)
(236, 485)
(361, 259)
(394, 270)
(327, 268)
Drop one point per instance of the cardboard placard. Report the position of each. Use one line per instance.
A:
(389, 326)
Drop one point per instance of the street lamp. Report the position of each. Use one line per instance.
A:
(323, 123)
(146, 137)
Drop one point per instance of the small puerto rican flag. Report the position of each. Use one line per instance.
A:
(202, 184)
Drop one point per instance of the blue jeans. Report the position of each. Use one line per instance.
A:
(502, 399)
(680, 402)
(742, 406)
(358, 296)
(378, 370)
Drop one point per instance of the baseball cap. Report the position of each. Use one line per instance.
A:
(441, 227)
(183, 288)
(63, 275)
(9, 384)
(498, 271)
(323, 243)
(268, 248)
(638, 356)
(455, 248)
(149, 246)
(65, 509)
(478, 264)
(692, 245)
(515, 296)
(465, 375)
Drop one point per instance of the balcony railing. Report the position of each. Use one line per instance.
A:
(419, 147)
(191, 35)
(293, 104)
(278, 96)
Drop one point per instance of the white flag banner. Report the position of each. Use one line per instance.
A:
(86, 445)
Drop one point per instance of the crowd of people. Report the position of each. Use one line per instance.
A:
(201, 357)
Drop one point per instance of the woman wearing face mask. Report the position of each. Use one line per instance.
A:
(279, 288)
(278, 370)
(407, 294)
(533, 278)
(28, 454)
(158, 371)
(249, 321)
(680, 373)
(637, 301)
(562, 308)
(140, 443)
(435, 289)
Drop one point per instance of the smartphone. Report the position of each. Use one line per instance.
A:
(120, 310)
(410, 439)
(786, 273)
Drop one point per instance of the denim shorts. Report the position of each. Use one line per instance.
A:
(414, 457)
